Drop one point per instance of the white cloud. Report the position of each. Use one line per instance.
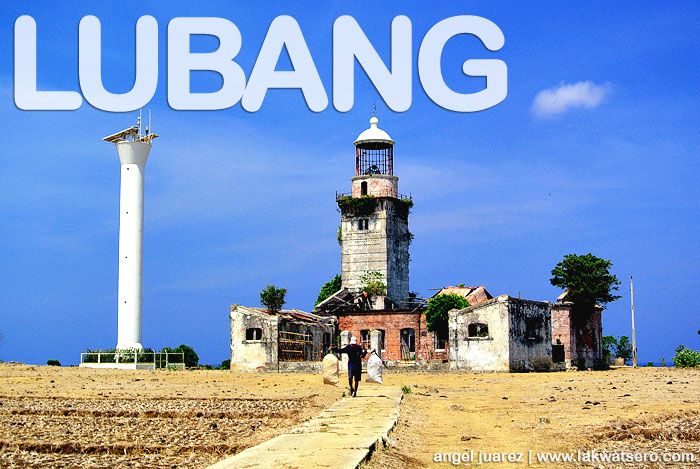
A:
(583, 94)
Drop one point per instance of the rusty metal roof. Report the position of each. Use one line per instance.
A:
(288, 314)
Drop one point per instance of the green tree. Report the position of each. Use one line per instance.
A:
(272, 298)
(53, 363)
(588, 280)
(372, 283)
(624, 348)
(190, 356)
(437, 309)
(609, 348)
(226, 364)
(328, 288)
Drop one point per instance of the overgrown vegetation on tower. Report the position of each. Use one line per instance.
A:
(367, 204)
(359, 206)
(372, 284)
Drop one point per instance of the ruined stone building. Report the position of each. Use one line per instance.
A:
(375, 304)
(577, 336)
(502, 334)
(264, 340)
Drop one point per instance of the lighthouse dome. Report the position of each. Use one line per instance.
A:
(373, 135)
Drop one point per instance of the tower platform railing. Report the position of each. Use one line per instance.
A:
(342, 195)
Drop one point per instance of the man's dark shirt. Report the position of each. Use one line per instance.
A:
(355, 353)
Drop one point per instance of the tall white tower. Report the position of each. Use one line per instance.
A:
(133, 148)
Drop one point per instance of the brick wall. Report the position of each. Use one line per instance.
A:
(391, 322)
(562, 332)
(581, 335)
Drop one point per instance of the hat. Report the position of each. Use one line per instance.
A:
(353, 340)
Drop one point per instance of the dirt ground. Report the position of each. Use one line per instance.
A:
(644, 410)
(71, 417)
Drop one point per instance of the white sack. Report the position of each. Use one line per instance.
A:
(374, 369)
(330, 370)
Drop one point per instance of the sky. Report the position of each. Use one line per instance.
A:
(595, 149)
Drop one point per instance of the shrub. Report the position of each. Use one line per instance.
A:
(53, 363)
(372, 284)
(542, 364)
(406, 389)
(686, 358)
(226, 364)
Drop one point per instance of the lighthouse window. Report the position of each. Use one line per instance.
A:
(363, 188)
(363, 224)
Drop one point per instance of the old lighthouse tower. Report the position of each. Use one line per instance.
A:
(374, 232)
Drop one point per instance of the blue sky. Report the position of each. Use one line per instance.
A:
(237, 200)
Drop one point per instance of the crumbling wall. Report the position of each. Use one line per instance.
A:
(398, 242)
(563, 333)
(251, 355)
(488, 353)
(383, 248)
(589, 338)
(530, 335)
(581, 333)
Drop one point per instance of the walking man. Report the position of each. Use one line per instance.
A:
(355, 355)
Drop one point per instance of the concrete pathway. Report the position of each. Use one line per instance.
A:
(339, 437)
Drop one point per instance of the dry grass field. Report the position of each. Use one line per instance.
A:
(71, 417)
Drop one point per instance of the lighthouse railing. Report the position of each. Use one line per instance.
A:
(388, 193)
